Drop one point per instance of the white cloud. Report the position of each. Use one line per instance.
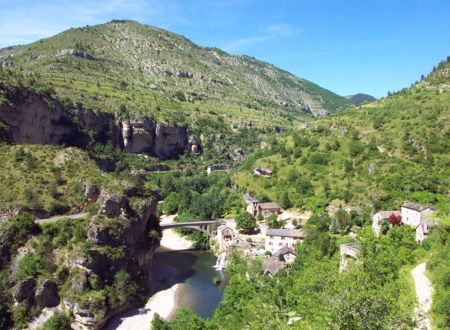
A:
(283, 29)
(270, 32)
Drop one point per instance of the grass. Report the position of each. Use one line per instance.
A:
(40, 177)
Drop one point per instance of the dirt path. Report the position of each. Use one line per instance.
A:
(424, 292)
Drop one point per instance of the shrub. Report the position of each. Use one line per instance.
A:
(21, 317)
(59, 321)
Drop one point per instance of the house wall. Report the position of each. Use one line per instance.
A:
(411, 217)
(414, 218)
(274, 243)
(376, 223)
(420, 234)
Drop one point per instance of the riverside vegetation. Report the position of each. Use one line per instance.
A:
(372, 157)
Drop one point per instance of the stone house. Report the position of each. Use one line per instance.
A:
(348, 251)
(419, 216)
(278, 238)
(224, 234)
(267, 209)
(252, 204)
(226, 238)
(263, 171)
(285, 255)
(379, 217)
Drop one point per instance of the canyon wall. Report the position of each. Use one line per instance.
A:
(30, 118)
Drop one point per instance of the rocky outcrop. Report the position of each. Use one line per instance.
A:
(147, 137)
(112, 206)
(121, 240)
(47, 295)
(25, 290)
(102, 123)
(32, 118)
(91, 193)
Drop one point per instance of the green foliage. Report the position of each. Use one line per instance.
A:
(246, 222)
(6, 301)
(272, 222)
(122, 289)
(171, 203)
(21, 317)
(59, 321)
(13, 234)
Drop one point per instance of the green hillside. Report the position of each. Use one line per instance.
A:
(152, 72)
(379, 154)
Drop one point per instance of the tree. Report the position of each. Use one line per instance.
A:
(272, 222)
(334, 226)
(170, 205)
(59, 321)
(285, 202)
(342, 217)
(245, 222)
(395, 220)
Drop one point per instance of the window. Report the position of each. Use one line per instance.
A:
(270, 243)
(271, 237)
(281, 244)
(282, 238)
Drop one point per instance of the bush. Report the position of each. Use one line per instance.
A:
(58, 207)
(21, 317)
(59, 321)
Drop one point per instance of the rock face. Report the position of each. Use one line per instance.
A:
(47, 295)
(147, 137)
(32, 119)
(28, 117)
(25, 290)
(112, 206)
(119, 227)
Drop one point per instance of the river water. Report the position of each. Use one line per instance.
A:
(198, 291)
(194, 273)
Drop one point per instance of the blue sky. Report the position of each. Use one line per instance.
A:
(346, 46)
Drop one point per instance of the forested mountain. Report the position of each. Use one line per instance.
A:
(379, 154)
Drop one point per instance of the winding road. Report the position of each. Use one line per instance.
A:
(59, 217)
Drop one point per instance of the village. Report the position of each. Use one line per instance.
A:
(278, 245)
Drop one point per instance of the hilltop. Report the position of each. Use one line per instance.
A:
(360, 98)
(164, 76)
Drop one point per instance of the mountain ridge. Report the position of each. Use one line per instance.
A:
(146, 68)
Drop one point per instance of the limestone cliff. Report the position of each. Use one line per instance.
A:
(123, 238)
(145, 136)
(29, 118)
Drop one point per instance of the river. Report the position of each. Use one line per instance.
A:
(182, 279)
